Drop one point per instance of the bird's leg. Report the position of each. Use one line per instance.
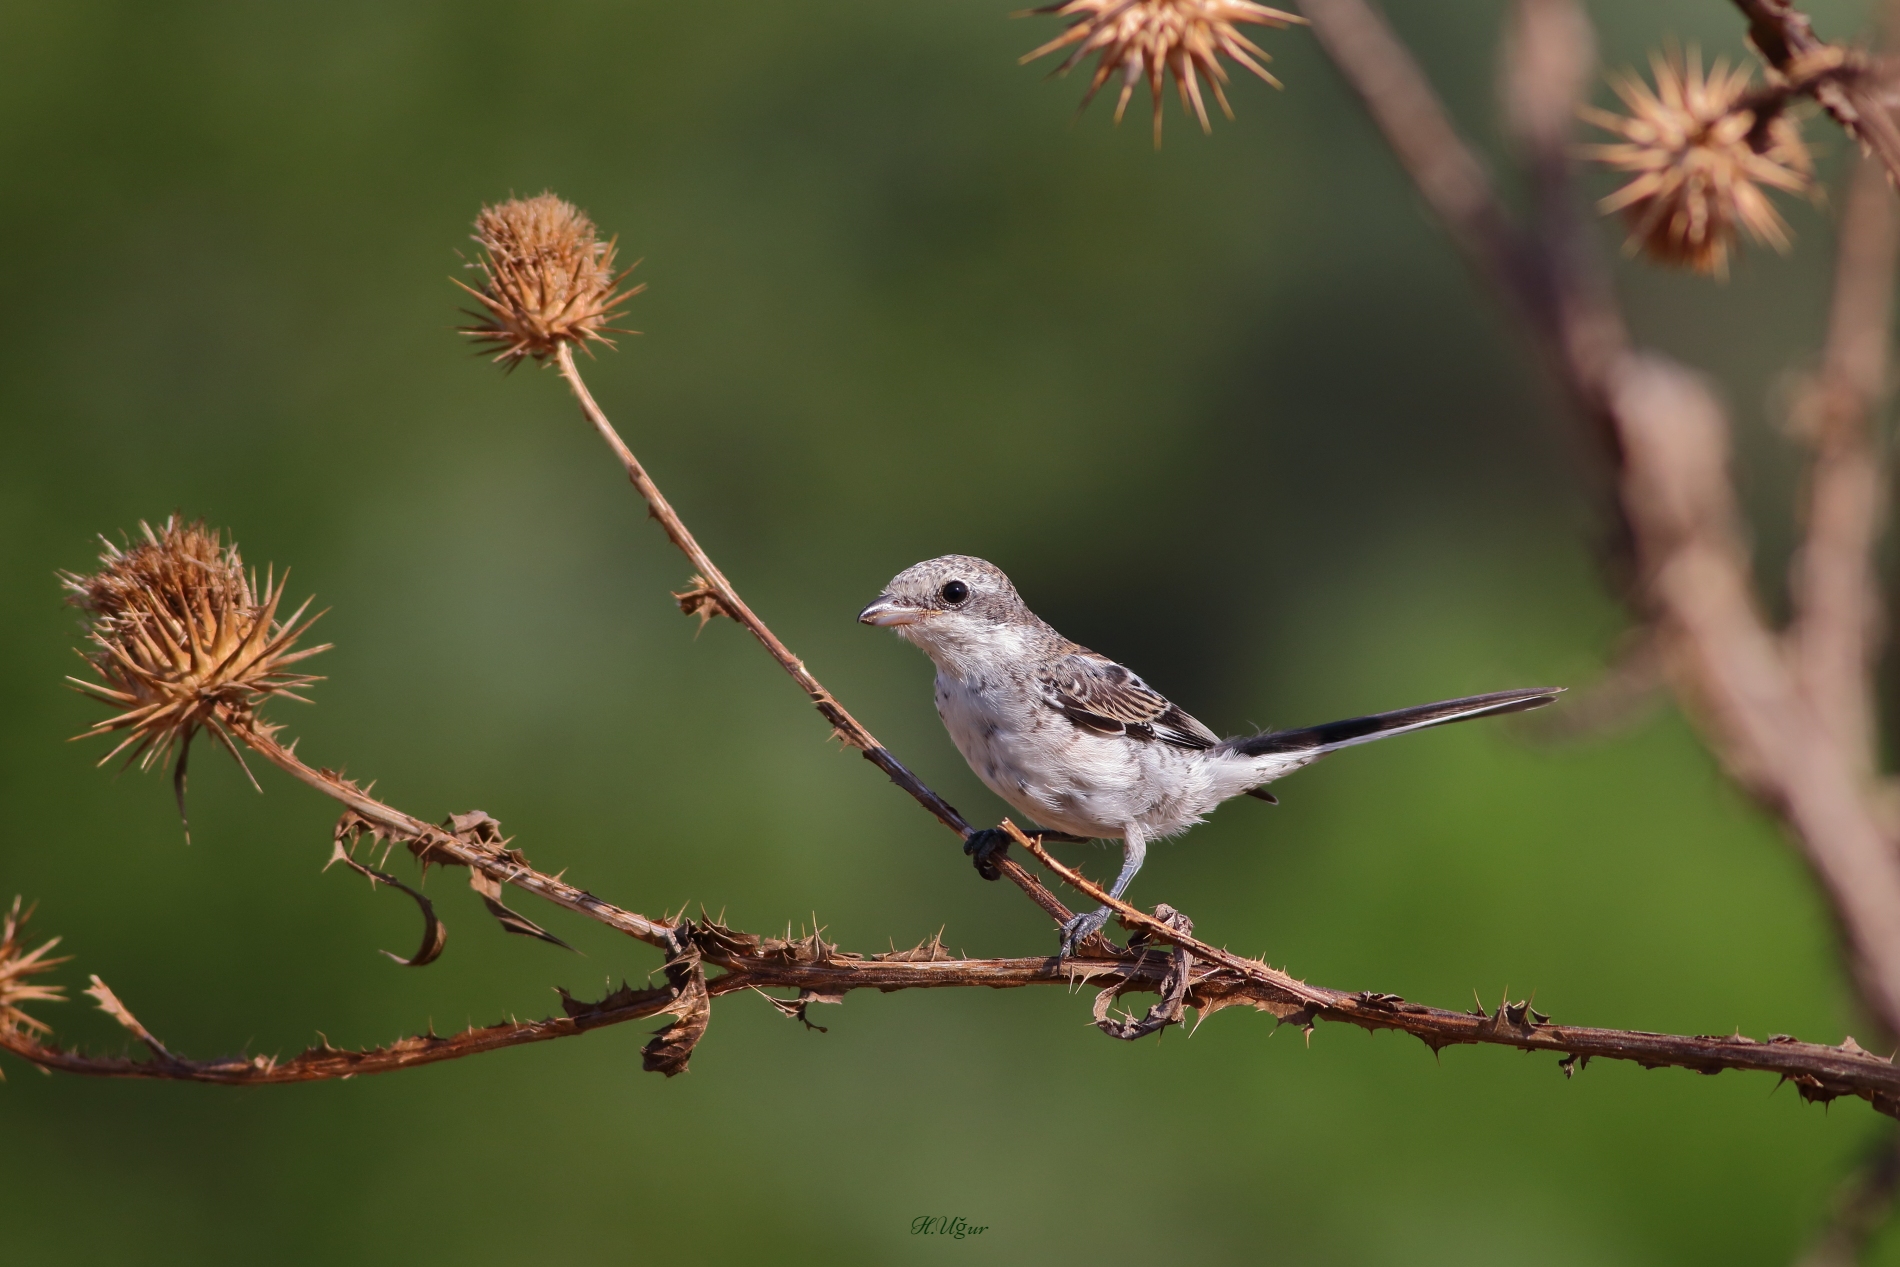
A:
(984, 847)
(1134, 851)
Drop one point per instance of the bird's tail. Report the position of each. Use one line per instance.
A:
(1314, 741)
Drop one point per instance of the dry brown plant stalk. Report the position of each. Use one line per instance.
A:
(1195, 974)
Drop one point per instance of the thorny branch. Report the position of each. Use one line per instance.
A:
(323, 1061)
(1197, 975)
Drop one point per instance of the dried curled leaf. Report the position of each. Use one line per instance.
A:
(435, 933)
(510, 920)
(670, 1048)
(811, 948)
(479, 829)
(1169, 1008)
(794, 1009)
(719, 941)
(701, 600)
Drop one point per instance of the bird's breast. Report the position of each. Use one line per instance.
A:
(1039, 761)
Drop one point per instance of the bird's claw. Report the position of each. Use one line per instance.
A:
(1081, 928)
(984, 848)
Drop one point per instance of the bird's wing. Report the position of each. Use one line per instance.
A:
(1100, 695)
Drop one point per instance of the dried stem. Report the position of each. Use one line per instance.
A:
(324, 1062)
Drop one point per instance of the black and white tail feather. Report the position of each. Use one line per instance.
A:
(1317, 741)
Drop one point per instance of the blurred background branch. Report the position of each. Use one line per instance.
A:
(1786, 731)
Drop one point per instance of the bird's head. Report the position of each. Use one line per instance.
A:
(951, 605)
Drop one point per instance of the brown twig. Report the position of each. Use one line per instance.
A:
(1513, 1024)
(324, 1062)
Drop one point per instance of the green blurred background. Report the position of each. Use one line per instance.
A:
(1232, 412)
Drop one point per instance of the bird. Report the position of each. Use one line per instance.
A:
(1082, 744)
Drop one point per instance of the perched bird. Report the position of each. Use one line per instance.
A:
(1079, 743)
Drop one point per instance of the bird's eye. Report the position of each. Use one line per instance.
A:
(954, 592)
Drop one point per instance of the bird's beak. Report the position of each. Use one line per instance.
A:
(887, 611)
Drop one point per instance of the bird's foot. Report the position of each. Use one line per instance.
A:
(1081, 928)
(984, 848)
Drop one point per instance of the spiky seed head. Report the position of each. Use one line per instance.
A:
(184, 639)
(1153, 39)
(547, 279)
(18, 966)
(1701, 166)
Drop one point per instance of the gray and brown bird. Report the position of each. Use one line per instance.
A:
(1079, 743)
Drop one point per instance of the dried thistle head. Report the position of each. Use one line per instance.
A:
(18, 966)
(183, 639)
(547, 279)
(1702, 162)
(1152, 39)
